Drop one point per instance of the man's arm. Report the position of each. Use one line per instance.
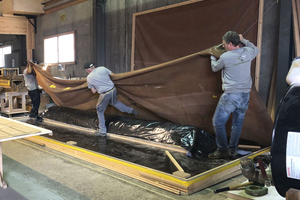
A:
(29, 69)
(247, 43)
(216, 65)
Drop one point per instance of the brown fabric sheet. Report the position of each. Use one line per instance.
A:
(184, 91)
(168, 34)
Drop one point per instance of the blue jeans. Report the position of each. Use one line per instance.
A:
(237, 104)
(103, 101)
(35, 98)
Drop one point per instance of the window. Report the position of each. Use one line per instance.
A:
(3, 51)
(60, 49)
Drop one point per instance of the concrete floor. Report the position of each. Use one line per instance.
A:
(39, 173)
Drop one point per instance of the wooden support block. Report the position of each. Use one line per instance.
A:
(71, 143)
(182, 174)
(11, 98)
(174, 161)
(292, 194)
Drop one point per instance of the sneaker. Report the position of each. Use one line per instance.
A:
(135, 112)
(97, 133)
(189, 154)
(232, 153)
(218, 154)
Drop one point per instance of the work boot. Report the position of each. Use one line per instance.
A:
(232, 153)
(97, 133)
(135, 112)
(39, 119)
(189, 154)
(218, 154)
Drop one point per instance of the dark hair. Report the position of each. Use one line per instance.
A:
(88, 65)
(231, 36)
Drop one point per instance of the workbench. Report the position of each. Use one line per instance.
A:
(11, 130)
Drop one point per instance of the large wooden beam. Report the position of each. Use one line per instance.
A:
(18, 25)
(13, 25)
(296, 28)
(259, 36)
(55, 5)
(29, 7)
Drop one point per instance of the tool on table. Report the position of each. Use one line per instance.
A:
(256, 190)
(263, 173)
(180, 173)
(233, 187)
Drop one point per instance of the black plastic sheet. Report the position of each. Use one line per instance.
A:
(194, 139)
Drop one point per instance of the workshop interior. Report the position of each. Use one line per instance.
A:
(123, 99)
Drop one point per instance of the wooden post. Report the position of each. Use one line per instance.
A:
(259, 36)
(133, 42)
(296, 29)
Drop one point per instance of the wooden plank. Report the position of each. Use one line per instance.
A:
(272, 93)
(29, 54)
(30, 35)
(168, 7)
(174, 161)
(298, 10)
(133, 42)
(6, 6)
(296, 29)
(121, 137)
(31, 7)
(62, 6)
(8, 132)
(109, 162)
(13, 25)
(21, 127)
(259, 36)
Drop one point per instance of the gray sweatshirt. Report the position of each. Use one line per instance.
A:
(236, 68)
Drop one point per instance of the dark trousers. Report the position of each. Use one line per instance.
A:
(35, 98)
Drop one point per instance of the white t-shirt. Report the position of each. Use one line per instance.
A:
(30, 81)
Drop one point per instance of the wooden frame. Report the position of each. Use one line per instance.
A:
(151, 11)
(259, 33)
(17, 25)
(157, 178)
(57, 36)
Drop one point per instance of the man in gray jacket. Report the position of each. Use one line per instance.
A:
(99, 81)
(235, 64)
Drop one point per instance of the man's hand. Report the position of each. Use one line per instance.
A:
(93, 90)
(213, 58)
(241, 37)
